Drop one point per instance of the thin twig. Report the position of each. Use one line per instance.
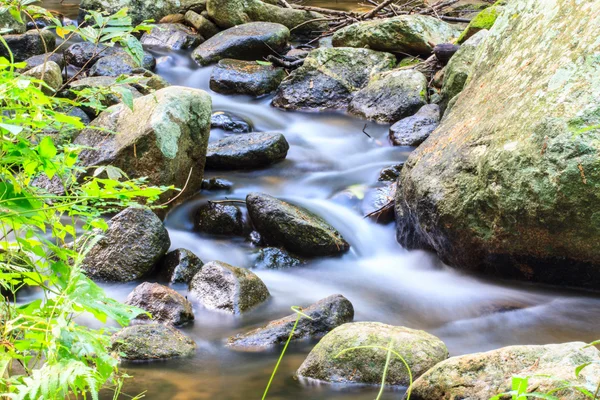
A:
(182, 190)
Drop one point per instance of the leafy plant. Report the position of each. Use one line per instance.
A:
(44, 351)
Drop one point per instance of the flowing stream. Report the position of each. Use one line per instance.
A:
(330, 161)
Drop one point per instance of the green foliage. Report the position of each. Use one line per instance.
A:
(44, 352)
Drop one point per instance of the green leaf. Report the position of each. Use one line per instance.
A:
(265, 63)
(125, 94)
(46, 148)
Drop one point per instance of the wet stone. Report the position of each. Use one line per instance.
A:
(252, 150)
(275, 258)
(219, 219)
(163, 303)
(229, 122)
(245, 77)
(216, 184)
(179, 266)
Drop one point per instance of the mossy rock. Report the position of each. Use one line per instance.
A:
(420, 350)
(485, 375)
(179, 266)
(484, 20)
(405, 34)
(509, 183)
(28, 44)
(223, 287)
(219, 219)
(163, 303)
(245, 77)
(51, 74)
(151, 342)
(252, 150)
(173, 36)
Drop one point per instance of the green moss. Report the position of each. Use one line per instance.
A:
(483, 20)
(409, 61)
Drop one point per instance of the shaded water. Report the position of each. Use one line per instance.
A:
(329, 154)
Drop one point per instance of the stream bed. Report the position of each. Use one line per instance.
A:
(331, 163)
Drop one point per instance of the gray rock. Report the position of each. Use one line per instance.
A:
(412, 131)
(102, 82)
(228, 13)
(85, 53)
(390, 173)
(134, 242)
(329, 77)
(120, 64)
(163, 138)
(79, 113)
(444, 52)
(171, 36)
(50, 73)
(219, 219)
(229, 122)
(252, 150)
(275, 258)
(40, 59)
(245, 77)
(220, 286)
(202, 25)
(326, 315)
(296, 229)
(390, 96)
(251, 41)
(407, 34)
(420, 349)
(179, 266)
(151, 342)
(216, 184)
(485, 375)
(28, 44)
(164, 304)
(140, 10)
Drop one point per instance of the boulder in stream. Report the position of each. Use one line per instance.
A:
(163, 138)
(420, 349)
(134, 242)
(509, 183)
(228, 13)
(50, 73)
(485, 375)
(276, 258)
(179, 266)
(252, 150)
(245, 77)
(229, 122)
(407, 34)
(163, 303)
(219, 219)
(120, 64)
(220, 286)
(28, 44)
(35, 61)
(413, 130)
(296, 229)
(329, 77)
(151, 342)
(390, 96)
(171, 36)
(251, 41)
(326, 314)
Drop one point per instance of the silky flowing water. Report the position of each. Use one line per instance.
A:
(330, 161)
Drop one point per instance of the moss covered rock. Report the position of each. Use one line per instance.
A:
(420, 350)
(509, 184)
(140, 10)
(484, 20)
(245, 77)
(179, 266)
(408, 34)
(28, 44)
(484, 375)
(326, 314)
(251, 41)
(171, 36)
(329, 77)
(252, 150)
(296, 229)
(390, 96)
(163, 138)
(151, 342)
(129, 249)
(164, 304)
(228, 13)
(413, 131)
(49, 72)
(205, 27)
(36, 61)
(219, 219)
(220, 286)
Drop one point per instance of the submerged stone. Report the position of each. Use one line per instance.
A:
(275, 258)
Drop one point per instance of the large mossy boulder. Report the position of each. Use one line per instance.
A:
(509, 184)
(140, 10)
(485, 375)
(326, 314)
(419, 349)
(28, 44)
(228, 13)
(171, 36)
(164, 304)
(223, 287)
(459, 68)
(296, 229)
(484, 20)
(408, 34)
(163, 138)
(329, 77)
(252, 150)
(151, 342)
(251, 41)
(390, 96)
(134, 242)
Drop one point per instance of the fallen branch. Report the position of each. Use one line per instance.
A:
(281, 62)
